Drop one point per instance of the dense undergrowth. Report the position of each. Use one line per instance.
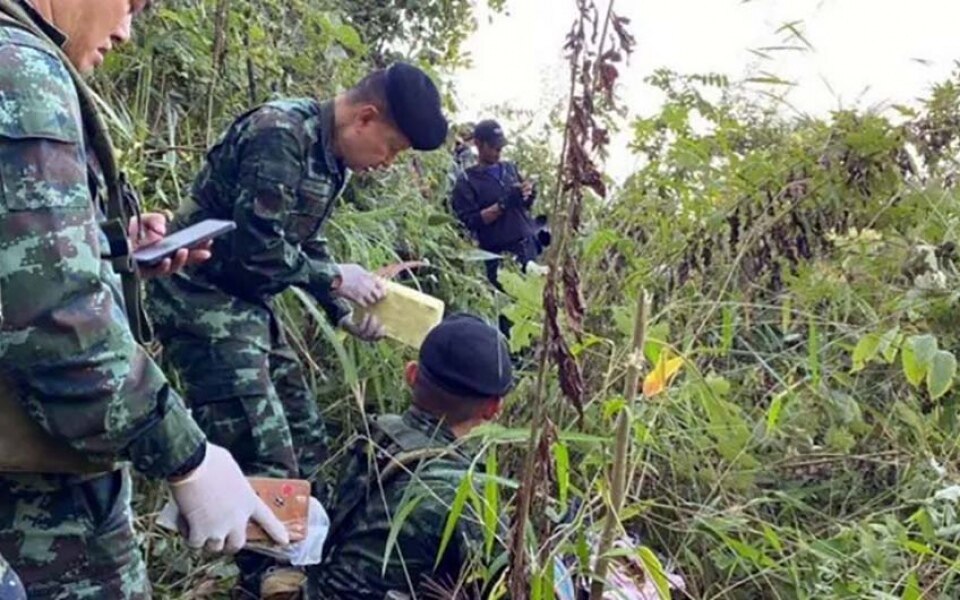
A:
(802, 268)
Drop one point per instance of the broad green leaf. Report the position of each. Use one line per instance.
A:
(654, 570)
(866, 349)
(916, 357)
(924, 347)
(940, 375)
(456, 509)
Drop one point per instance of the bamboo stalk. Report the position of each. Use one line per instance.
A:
(618, 475)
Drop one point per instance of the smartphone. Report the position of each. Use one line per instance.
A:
(185, 238)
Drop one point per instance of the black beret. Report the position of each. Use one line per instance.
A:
(415, 106)
(464, 355)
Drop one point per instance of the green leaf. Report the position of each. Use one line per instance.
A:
(562, 458)
(911, 589)
(772, 538)
(656, 338)
(865, 351)
(491, 505)
(727, 331)
(940, 375)
(396, 525)
(924, 347)
(890, 344)
(813, 352)
(456, 509)
(773, 413)
(349, 368)
(654, 570)
(916, 357)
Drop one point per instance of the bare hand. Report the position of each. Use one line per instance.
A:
(153, 228)
(527, 188)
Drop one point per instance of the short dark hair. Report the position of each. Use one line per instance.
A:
(372, 89)
(452, 408)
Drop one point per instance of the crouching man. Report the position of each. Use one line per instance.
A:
(409, 467)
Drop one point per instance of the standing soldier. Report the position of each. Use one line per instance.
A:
(277, 172)
(78, 395)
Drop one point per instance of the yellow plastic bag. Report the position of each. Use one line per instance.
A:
(407, 315)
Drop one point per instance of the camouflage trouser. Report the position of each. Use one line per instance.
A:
(72, 537)
(244, 383)
(10, 586)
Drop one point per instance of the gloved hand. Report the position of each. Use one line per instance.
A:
(359, 286)
(535, 269)
(369, 329)
(217, 501)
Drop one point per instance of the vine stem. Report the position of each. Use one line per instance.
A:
(519, 579)
(621, 456)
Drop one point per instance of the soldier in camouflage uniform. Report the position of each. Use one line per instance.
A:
(277, 172)
(78, 395)
(415, 460)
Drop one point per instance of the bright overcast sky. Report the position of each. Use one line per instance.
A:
(866, 52)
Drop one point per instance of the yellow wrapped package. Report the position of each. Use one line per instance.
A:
(407, 314)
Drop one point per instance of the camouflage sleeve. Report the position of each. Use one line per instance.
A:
(324, 269)
(64, 340)
(274, 244)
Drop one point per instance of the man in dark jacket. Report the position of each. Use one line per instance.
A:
(493, 201)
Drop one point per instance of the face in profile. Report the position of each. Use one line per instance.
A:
(93, 27)
(370, 142)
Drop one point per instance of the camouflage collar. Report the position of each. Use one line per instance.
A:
(327, 128)
(56, 36)
(433, 426)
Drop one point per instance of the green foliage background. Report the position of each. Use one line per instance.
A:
(803, 267)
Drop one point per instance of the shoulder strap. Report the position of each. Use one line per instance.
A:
(122, 202)
(396, 449)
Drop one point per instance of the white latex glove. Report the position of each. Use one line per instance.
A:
(217, 501)
(360, 286)
(369, 329)
(536, 269)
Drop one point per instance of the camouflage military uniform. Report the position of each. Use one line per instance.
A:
(275, 175)
(65, 344)
(10, 586)
(353, 565)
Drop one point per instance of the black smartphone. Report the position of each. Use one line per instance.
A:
(188, 237)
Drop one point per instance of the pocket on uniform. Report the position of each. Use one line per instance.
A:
(38, 173)
(310, 209)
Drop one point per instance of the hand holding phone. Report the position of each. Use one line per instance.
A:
(189, 237)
